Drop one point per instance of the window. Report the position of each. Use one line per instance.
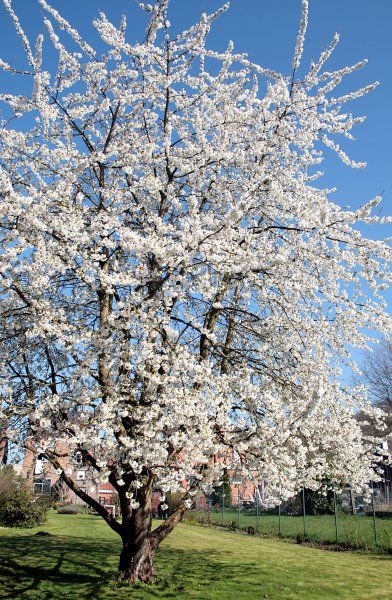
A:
(42, 486)
(80, 475)
(78, 458)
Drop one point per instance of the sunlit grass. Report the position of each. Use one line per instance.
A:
(355, 529)
(194, 562)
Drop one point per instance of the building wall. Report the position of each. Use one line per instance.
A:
(36, 469)
(45, 479)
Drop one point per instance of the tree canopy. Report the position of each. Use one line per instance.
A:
(177, 293)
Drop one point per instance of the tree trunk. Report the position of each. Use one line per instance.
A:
(138, 546)
(139, 541)
(136, 561)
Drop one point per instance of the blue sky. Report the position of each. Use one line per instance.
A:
(267, 31)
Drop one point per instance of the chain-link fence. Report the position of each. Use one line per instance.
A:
(347, 518)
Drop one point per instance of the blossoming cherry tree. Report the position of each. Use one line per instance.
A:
(178, 296)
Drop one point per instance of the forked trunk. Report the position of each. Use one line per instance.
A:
(139, 541)
(138, 547)
(136, 561)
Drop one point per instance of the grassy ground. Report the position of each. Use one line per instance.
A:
(357, 529)
(194, 562)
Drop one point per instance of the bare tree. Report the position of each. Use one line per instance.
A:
(377, 373)
(377, 376)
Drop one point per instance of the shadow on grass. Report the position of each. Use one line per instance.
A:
(55, 566)
(31, 562)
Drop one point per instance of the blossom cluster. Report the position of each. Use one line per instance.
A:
(177, 295)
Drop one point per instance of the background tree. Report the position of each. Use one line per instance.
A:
(222, 493)
(377, 374)
(176, 293)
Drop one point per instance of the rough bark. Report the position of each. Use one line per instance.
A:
(136, 561)
(136, 558)
(140, 544)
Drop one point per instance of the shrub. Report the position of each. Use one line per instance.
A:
(70, 509)
(19, 507)
(222, 494)
(199, 516)
(301, 538)
(381, 514)
(317, 503)
(90, 511)
(251, 530)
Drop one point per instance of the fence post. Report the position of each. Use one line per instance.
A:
(238, 500)
(304, 509)
(257, 510)
(352, 499)
(336, 517)
(374, 517)
(279, 514)
(223, 503)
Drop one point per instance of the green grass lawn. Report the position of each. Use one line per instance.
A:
(357, 529)
(194, 562)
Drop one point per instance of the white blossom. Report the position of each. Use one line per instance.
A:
(177, 295)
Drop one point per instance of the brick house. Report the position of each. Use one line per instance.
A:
(45, 479)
